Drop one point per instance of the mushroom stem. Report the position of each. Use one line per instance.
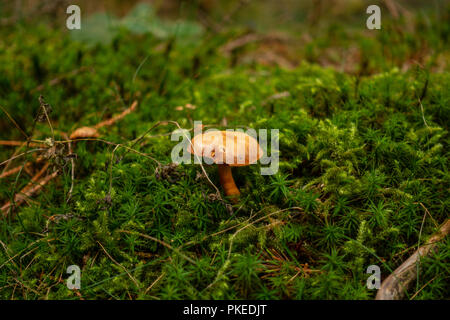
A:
(227, 181)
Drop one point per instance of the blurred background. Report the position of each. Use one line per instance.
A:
(189, 38)
(261, 15)
(324, 32)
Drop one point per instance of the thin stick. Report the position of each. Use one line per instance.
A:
(113, 120)
(423, 115)
(395, 285)
(415, 294)
(142, 137)
(43, 106)
(36, 177)
(18, 168)
(125, 269)
(28, 192)
(111, 169)
(110, 143)
(20, 155)
(12, 143)
(14, 122)
(154, 282)
(72, 167)
(14, 153)
(428, 212)
(17, 254)
(160, 242)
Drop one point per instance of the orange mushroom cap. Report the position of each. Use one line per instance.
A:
(84, 132)
(233, 148)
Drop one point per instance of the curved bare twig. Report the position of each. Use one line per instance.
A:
(395, 285)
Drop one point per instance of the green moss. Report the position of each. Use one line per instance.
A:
(358, 155)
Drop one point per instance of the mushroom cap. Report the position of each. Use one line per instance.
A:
(84, 132)
(235, 149)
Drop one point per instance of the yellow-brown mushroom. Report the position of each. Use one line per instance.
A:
(227, 149)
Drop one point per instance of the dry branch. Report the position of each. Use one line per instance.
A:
(9, 172)
(113, 120)
(30, 189)
(91, 132)
(395, 285)
(12, 143)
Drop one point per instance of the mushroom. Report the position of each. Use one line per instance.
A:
(84, 132)
(227, 149)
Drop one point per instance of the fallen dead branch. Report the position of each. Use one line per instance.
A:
(395, 285)
(21, 155)
(19, 198)
(9, 172)
(19, 144)
(30, 189)
(91, 132)
(113, 120)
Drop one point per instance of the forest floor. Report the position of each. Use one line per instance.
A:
(363, 175)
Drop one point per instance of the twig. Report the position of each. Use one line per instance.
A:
(395, 285)
(428, 212)
(18, 168)
(85, 132)
(418, 246)
(154, 282)
(14, 122)
(26, 287)
(17, 254)
(110, 143)
(125, 269)
(6, 251)
(111, 164)
(12, 143)
(72, 162)
(36, 177)
(160, 242)
(21, 154)
(114, 119)
(190, 142)
(415, 294)
(44, 106)
(28, 192)
(6, 167)
(423, 116)
(60, 280)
